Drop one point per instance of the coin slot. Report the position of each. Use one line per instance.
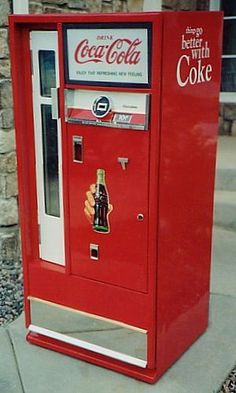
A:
(78, 149)
(94, 252)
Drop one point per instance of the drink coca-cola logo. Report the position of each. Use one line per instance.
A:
(120, 51)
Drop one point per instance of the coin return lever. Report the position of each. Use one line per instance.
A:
(78, 149)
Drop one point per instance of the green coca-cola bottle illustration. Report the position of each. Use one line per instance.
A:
(100, 221)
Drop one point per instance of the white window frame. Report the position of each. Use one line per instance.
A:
(224, 96)
(152, 5)
(20, 6)
(51, 245)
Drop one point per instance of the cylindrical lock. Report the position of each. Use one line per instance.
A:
(140, 217)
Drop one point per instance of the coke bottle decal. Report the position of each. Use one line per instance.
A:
(97, 207)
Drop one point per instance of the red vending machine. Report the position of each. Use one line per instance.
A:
(116, 125)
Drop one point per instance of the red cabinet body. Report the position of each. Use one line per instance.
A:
(136, 96)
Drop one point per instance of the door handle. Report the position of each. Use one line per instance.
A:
(54, 96)
(123, 162)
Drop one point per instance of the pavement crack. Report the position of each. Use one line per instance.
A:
(223, 294)
(92, 330)
(16, 360)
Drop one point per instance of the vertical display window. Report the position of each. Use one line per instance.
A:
(50, 161)
(47, 72)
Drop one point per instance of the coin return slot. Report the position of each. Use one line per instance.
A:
(78, 149)
(94, 252)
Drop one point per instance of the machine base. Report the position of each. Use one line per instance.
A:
(146, 375)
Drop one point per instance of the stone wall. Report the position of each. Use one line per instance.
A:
(61, 6)
(8, 178)
(227, 119)
(185, 5)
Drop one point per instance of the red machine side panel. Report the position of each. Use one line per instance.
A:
(190, 87)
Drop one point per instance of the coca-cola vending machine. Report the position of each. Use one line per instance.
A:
(116, 126)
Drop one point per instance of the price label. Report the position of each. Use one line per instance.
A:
(122, 118)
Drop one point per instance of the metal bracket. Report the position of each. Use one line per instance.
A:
(55, 111)
(39, 233)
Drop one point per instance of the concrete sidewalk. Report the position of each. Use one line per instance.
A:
(225, 187)
(25, 368)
